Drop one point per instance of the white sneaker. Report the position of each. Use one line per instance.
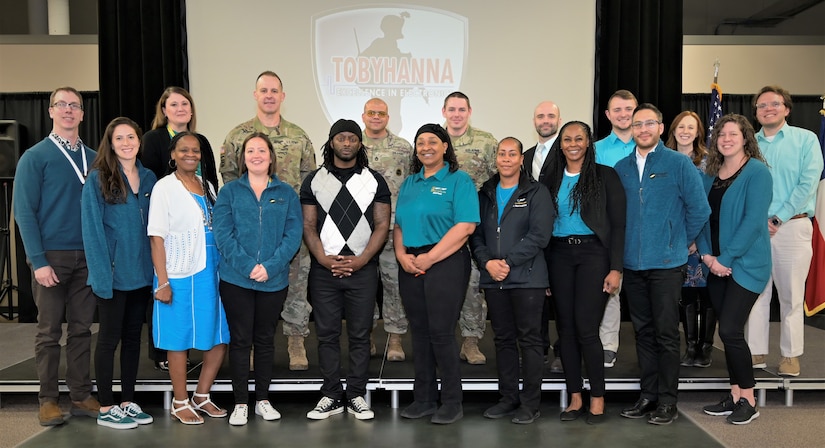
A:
(359, 408)
(239, 415)
(265, 410)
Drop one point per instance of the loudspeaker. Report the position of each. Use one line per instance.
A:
(9, 148)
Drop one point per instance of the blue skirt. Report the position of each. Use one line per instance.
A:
(195, 318)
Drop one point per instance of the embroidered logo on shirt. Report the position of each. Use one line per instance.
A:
(520, 203)
(438, 191)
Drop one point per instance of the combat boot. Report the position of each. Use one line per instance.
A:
(470, 353)
(297, 353)
(395, 352)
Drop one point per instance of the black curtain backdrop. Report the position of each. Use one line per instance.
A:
(142, 50)
(638, 48)
(805, 112)
(31, 112)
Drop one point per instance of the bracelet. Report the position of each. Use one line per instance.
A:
(165, 285)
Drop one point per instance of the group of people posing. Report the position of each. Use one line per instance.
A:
(439, 222)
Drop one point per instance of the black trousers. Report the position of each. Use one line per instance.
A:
(733, 304)
(121, 322)
(351, 298)
(252, 317)
(653, 302)
(433, 303)
(577, 275)
(515, 315)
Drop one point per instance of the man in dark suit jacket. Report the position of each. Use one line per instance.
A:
(547, 119)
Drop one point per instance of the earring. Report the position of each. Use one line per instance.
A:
(172, 164)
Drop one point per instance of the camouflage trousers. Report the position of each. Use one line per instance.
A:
(296, 307)
(474, 311)
(395, 319)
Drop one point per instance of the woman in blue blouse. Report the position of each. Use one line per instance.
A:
(113, 212)
(437, 211)
(735, 247)
(586, 260)
(516, 221)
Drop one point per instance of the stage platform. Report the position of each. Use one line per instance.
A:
(17, 371)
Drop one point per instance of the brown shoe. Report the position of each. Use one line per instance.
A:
(789, 366)
(50, 414)
(395, 352)
(470, 352)
(86, 408)
(297, 353)
(759, 361)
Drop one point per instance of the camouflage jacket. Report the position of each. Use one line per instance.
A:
(391, 157)
(293, 151)
(476, 154)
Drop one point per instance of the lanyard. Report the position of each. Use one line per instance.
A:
(81, 176)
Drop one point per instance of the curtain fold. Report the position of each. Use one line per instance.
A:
(638, 48)
(142, 50)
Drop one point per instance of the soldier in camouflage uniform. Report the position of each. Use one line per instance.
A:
(389, 155)
(476, 153)
(295, 158)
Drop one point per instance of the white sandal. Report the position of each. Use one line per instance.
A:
(184, 406)
(221, 413)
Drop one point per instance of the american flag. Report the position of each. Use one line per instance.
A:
(715, 111)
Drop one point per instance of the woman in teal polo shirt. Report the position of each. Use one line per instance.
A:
(437, 211)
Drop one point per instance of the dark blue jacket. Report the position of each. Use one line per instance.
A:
(117, 248)
(665, 210)
(250, 232)
(520, 239)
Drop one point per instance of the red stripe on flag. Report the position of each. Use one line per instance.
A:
(815, 285)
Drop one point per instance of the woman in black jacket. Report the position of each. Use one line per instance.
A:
(516, 220)
(174, 113)
(586, 253)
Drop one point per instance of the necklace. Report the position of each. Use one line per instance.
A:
(205, 215)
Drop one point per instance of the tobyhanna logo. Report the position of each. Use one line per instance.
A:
(411, 57)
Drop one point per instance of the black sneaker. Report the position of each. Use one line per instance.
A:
(724, 407)
(743, 413)
(326, 406)
(359, 408)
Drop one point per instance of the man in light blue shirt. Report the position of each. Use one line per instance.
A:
(609, 150)
(795, 161)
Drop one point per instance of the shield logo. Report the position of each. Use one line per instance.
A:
(411, 57)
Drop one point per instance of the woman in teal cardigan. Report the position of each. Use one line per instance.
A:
(113, 215)
(735, 248)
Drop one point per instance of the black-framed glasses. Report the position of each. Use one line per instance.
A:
(62, 105)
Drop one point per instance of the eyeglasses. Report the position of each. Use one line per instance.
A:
(376, 113)
(773, 105)
(62, 105)
(649, 124)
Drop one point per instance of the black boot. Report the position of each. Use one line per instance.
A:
(689, 326)
(707, 328)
